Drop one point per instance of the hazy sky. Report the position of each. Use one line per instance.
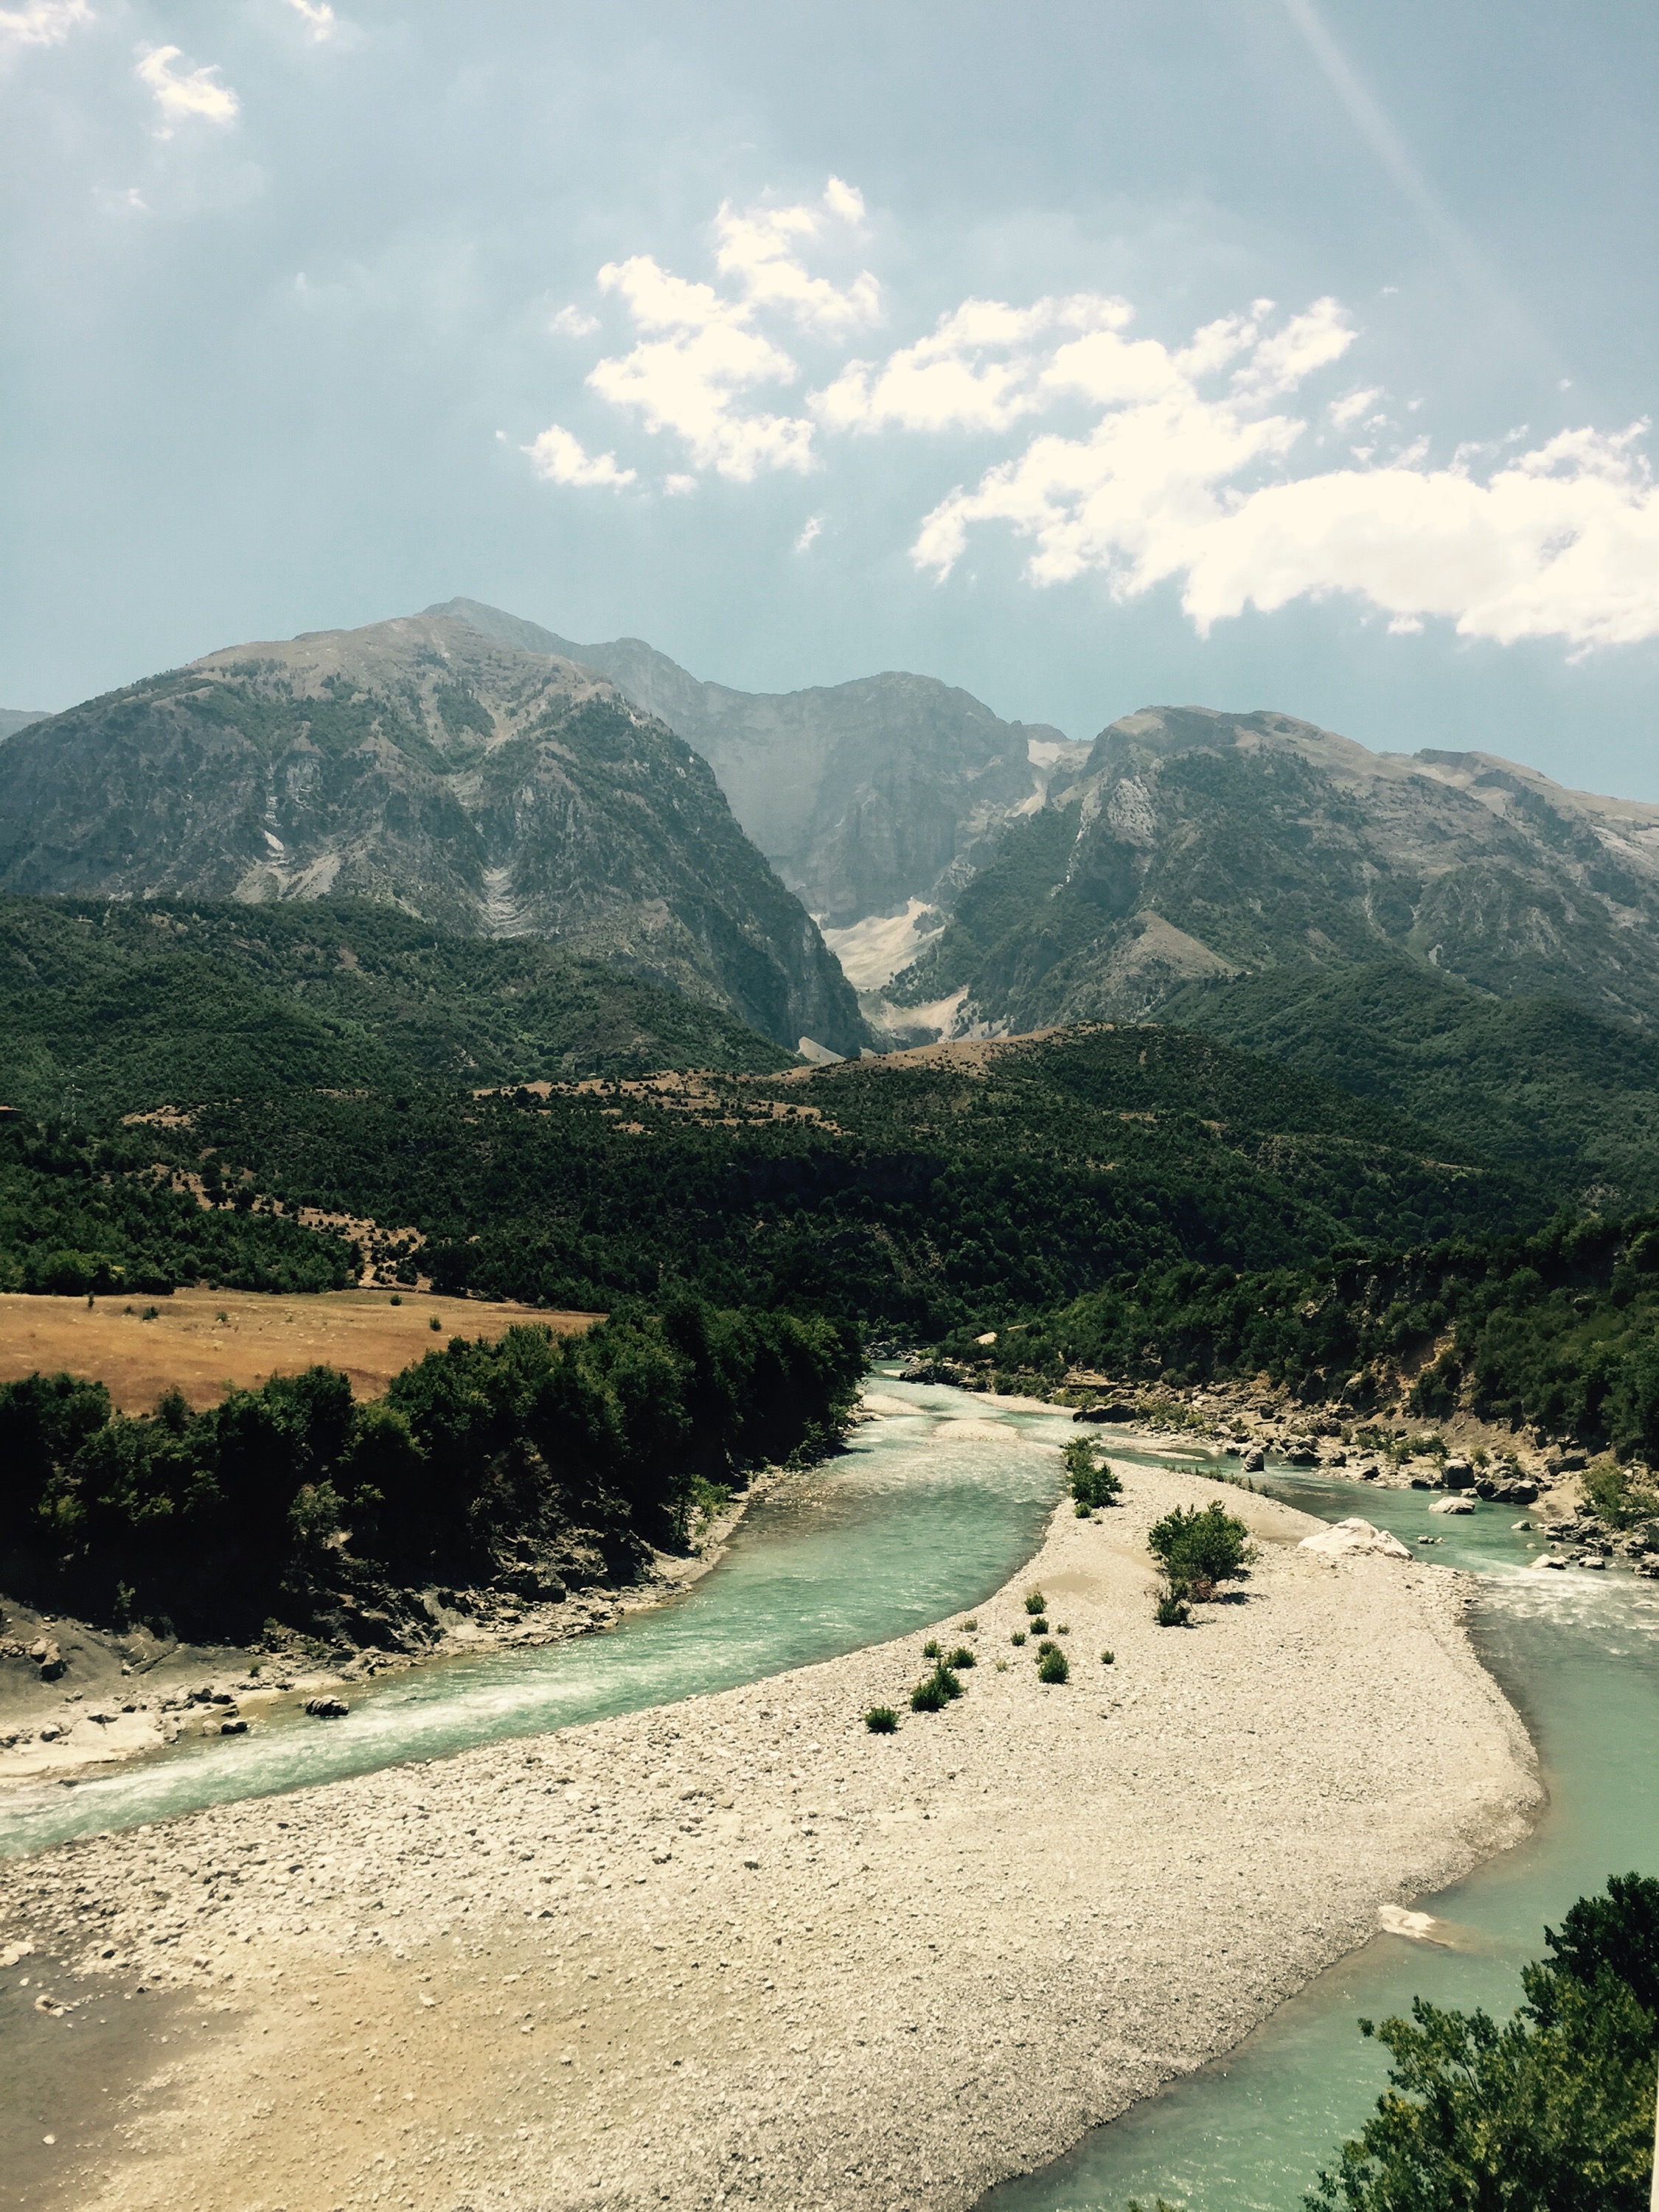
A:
(1289, 353)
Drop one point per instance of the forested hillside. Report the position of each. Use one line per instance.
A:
(117, 1006)
(916, 1191)
(1571, 1095)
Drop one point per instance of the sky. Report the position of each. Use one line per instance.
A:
(1295, 354)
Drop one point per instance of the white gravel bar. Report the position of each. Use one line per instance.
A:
(741, 1951)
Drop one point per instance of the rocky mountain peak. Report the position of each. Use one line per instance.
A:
(488, 788)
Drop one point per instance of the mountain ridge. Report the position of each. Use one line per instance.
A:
(1193, 845)
(418, 762)
(870, 797)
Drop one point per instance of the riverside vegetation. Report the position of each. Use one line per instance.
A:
(520, 1463)
(1552, 2107)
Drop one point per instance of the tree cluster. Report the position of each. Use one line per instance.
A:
(483, 1463)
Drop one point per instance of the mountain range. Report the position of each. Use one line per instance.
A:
(1193, 846)
(975, 877)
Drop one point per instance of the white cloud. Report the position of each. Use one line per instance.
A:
(1560, 542)
(757, 248)
(676, 486)
(557, 457)
(1345, 413)
(703, 352)
(977, 371)
(810, 532)
(690, 379)
(40, 23)
(182, 94)
(320, 15)
(573, 323)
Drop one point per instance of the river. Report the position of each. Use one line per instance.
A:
(1578, 1653)
(934, 1505)
(931, 1508)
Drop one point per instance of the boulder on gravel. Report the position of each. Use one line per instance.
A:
(1354, 1536)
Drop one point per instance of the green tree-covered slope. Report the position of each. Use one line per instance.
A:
(115, 1007)
(920, 1190)
(1533, 1081)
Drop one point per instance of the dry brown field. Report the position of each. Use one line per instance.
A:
(201, 1342)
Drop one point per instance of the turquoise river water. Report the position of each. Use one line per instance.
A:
(935, 1505)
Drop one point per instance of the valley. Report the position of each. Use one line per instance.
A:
(1274, 1112)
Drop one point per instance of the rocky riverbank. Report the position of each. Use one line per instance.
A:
(1249, 1422)
(74, 1698)
(743, 1951)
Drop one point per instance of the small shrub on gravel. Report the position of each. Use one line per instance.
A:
(1173, 1610)
(1035, 1602)
(970, 1626)
(1019, 1636)
(1108, 1658)
(1188, 1544)
(1081, 1510)
(1002, 1666)
(1092, 1484)
(1062, 1628)
(1054, 1667)
(962, 1656)
(881, 1720)
(930, 1648)
(1039, 1625)
(936, 1691)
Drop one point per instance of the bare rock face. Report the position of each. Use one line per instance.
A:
(488, 790)
(865, 796)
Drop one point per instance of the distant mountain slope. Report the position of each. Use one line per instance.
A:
(486, 789)
(1194, 845)
(1571, 1096)
(115, 1007)
(866, 796)
(13, 719)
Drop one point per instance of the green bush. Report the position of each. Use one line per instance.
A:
(971, 1624)
(935, 1691)
(1019, 1636)
(1091, 1480)
(1173, 1610)
(930, 1648)
(881, 1720)
(1054, 1666)
(1209, 1546)
(1039, 1625)
(1553, 2108)
(1035, 1602)
(1108, 1658)
(962, 1656)
(1082, 1511)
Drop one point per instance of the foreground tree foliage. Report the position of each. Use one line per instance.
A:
(1551, 2111)
(510, 1463)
